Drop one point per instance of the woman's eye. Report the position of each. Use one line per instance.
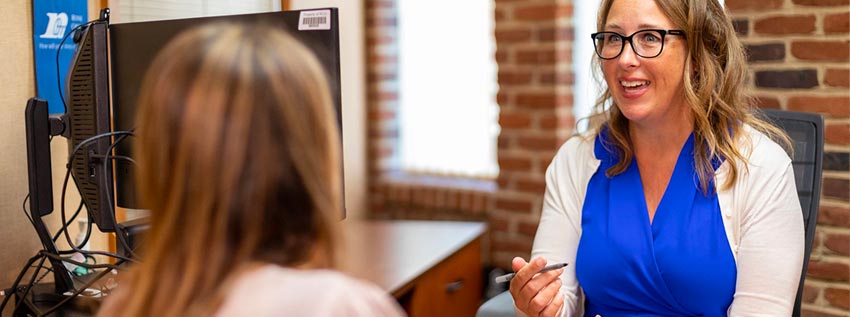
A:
(650, 38)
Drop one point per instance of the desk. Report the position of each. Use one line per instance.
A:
(433, 268)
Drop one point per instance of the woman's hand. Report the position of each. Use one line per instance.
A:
(536, 294)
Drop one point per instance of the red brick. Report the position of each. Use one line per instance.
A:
(840, 243)
(813, 313)
(837, 77)
(527, 228)
(834, 216)
(515, 120)
(837, 23)
(837, 134)
(794, 24)
(810, 293)
(838, 51)
(836, 188)
(502, 56)
(381, 22)
(537, 100)
(502, 97)
(544, 12)
(498, 224)
(555, 34)
(513, 204)
(745, 5)
(539, 142)
(518, 164)
(822, 3)
(555, 122)
(765, 102)
(538, 56)
(512, 36)
(378, 115)
(512, 78)
(829, 271)
(383, 59)
(377, 4)
(506, 140)
(839, 298)
(833, 106)
(515, 245)
(532, 186)
(503, 182)
(372, 41)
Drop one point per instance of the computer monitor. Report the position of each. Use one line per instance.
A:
(133, 47)
(87, 116)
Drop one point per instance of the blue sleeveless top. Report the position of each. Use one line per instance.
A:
(679, 265)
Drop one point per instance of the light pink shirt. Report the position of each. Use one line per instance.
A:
(277, 291)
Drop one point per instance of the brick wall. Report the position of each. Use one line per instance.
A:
(798, 54)
(533, 53)
(534, 41)
(799, 61)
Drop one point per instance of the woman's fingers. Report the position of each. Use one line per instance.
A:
(539, 282)
(534, 292)
(544, 298)
(554, 307)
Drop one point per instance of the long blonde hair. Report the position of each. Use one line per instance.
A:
(716, 74)
(239, 164)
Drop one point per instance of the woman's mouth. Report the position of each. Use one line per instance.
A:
(634, 88)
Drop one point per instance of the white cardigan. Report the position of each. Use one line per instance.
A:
(761, 215)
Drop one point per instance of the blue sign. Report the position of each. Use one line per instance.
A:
(52, 21)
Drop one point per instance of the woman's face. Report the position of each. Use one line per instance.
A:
(648, 91)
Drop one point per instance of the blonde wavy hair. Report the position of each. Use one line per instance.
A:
(239, 160)
(716, 74)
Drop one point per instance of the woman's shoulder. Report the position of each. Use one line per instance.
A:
(761, 151)
(272, 290)
(578, 149)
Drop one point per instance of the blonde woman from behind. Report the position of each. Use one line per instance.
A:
(239, 164)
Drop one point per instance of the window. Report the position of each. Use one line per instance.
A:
(448, 116)
(587, 87)
(147, 10)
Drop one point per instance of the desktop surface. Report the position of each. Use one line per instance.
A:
(433, 268)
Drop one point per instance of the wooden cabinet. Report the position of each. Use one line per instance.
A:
(433, 268)
(452, 288)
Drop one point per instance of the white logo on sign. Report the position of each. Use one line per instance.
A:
(56, 26)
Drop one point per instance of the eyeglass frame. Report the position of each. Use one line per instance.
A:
(624, 38)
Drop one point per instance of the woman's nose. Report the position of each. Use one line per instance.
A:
(628, 58)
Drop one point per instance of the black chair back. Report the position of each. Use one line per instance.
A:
(806, 133)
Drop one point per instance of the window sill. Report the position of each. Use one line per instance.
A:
(415, 196)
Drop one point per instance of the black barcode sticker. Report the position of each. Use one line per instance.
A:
(315, 20)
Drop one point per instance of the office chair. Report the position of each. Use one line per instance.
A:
(806, 133)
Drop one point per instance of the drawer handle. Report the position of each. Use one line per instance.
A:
(454, 286)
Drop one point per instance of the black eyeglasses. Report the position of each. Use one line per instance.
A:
(645, 43)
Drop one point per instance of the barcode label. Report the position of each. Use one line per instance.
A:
(315, 20)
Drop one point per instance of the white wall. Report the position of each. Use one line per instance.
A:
(352, 67)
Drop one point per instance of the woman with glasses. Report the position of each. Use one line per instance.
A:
(678, 202)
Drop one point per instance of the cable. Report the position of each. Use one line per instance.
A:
(27, 213)
(119, 235)
(92, 139)
(14, 288)
(68, 236)
(79, 291)
(59, 50)
(29, 286)
(65, 225)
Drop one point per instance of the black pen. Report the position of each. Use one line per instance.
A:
(510, 276)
